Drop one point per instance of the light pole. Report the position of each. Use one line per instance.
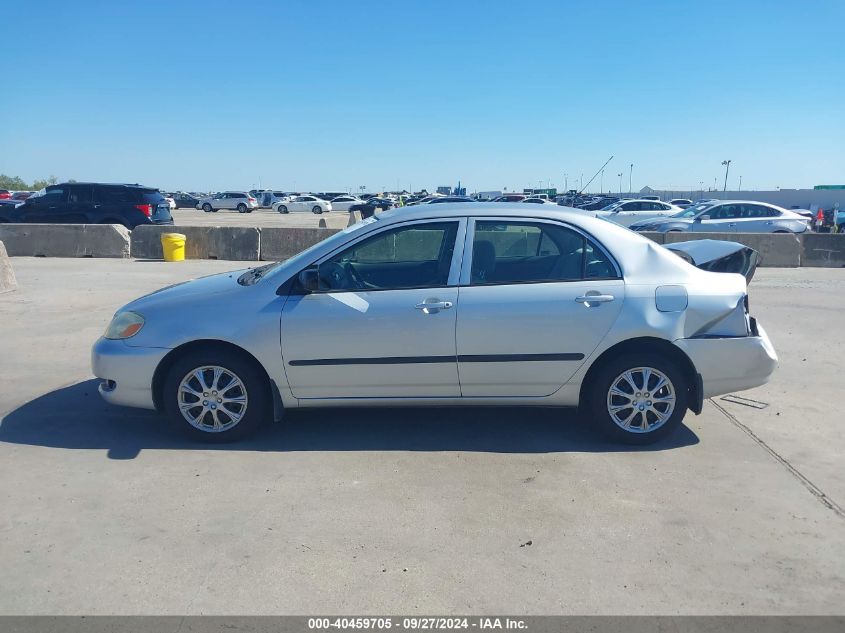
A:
(727, 164)
(700, 188)
(620, 183)
(601, 182)
(740, 184)
(630, 178)
(566, 182)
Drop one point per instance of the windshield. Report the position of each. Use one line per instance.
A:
(304, 256)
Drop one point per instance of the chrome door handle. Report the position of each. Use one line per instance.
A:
(588, 299)
(433, 307)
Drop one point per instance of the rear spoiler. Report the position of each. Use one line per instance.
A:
(718, 256)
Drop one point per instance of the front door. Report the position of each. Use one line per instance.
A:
(382, 323)
(536, 299)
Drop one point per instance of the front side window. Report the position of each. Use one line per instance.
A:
(511, 252)
(416, 256)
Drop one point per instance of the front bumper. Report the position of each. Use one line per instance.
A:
(126, 372)
(732, 363)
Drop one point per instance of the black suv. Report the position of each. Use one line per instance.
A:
(92, 203)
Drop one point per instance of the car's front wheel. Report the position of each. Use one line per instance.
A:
(317, 209)
(638, 398)
(206, 207)
(283, 208)
(216, 396)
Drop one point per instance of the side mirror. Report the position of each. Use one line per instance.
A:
(309, 279)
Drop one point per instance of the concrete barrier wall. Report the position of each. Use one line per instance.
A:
(825, 250)
(781, 250)
(203, 242)
(270, 244)
(65, 240)
(281, 243)
(7, 274)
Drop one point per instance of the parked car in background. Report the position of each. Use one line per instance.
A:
(682, 203)
(5, 194)
(626, 212)
(728, 216)
(543, 201)
(171, 202)
(649, 197)
(303, 203)
(240, 201)
(92, 203)
(186, 200)
(343, 203)
(598, 203)
(22, 195)
(266, 199)
(10, 202)
(371, 204)
(445, 199)
(459, 304)
(509, 197)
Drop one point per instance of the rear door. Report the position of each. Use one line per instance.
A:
(526, 320)
(723, 218)
(81, 207)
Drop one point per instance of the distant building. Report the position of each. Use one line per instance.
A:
(446, 191)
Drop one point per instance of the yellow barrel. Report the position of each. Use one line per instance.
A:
(173, 246)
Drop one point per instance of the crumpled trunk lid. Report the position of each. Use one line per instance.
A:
(718, 256)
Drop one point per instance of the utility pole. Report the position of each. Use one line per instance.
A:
(727, 164)
(630, 178)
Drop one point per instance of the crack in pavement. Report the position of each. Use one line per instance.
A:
(809, 485)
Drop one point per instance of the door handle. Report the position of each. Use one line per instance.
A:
(433, 306)
(732, 224)
(588, 299)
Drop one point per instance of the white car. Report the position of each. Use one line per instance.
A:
(446, 304)
(537, 200)
(342, 203)
(303, 203)
(239, 201)
(626, 212)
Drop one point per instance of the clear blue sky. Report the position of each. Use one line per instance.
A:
(331, 95)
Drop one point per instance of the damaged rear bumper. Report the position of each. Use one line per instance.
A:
(729, 364)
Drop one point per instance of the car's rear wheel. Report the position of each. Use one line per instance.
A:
(216, 395)
(206, 207)
(283, 209)
(638, 398)
(316, 209)
(241, 208)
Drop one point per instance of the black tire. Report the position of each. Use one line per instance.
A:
(283, 209)
(259, 400)
(207, 208)
(241, 208)
(597, 404)
(316, 209)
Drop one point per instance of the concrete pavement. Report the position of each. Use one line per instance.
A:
(107, 511)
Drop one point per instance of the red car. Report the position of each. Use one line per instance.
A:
(5, 194)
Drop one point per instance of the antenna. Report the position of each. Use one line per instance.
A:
(594, 175)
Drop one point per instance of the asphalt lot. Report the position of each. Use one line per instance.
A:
(259, 218)
(106, 511)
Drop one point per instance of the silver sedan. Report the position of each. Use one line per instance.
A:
(727, 216)
(483, 304)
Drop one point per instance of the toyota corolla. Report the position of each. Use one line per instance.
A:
(485, 304)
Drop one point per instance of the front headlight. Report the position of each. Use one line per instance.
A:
(124, 325)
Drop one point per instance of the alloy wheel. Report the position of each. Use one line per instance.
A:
(641, 399)
(212, 398)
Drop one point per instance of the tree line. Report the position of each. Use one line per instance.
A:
(15, 183)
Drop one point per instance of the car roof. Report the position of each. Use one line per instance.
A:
(102, 184)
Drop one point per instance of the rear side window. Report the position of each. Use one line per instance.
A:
(113, 195)
(151, 197)
(513, 252)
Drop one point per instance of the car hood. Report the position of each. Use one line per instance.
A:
(209, 286)
(718, 256)
(660, 220)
